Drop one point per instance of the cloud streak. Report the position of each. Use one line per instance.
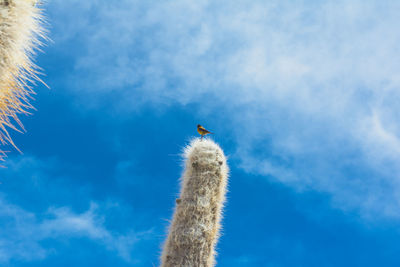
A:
(24, 232)
(39, 214)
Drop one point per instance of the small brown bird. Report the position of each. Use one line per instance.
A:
(202, 131)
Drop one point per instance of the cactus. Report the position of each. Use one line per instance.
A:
(196, 222)
(20, 33)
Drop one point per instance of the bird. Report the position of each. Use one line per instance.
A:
(202, 131)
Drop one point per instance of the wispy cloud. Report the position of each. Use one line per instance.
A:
(315, 86)
(30, 227)
(23, 232)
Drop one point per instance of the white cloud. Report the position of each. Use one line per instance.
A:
(26, 227)
(316, 85)
(23, 232)
(18, 240)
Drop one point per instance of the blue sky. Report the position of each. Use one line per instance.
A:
(302, 95)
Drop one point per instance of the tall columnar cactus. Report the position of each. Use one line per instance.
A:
(196, 223)
(20, 34)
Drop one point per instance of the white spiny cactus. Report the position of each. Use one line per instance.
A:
(195, 227)
(20, 34)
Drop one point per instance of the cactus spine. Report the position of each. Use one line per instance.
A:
(20, 33)
(196, 222)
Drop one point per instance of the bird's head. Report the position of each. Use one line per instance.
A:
(198, 125)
